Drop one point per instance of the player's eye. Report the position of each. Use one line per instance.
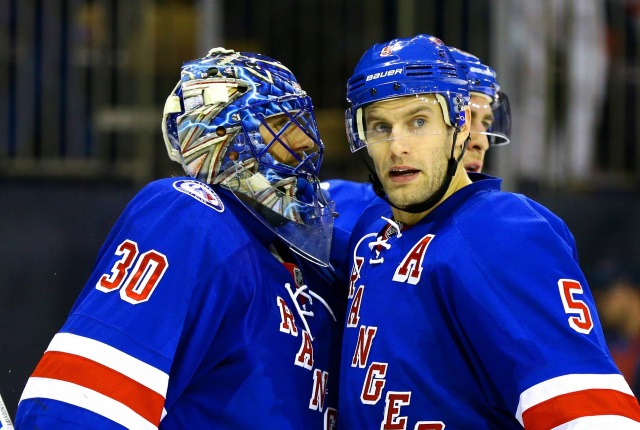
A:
(278, 125)
(381, 128)
(277, 122)
(419, 122)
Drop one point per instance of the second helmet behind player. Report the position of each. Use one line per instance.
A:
(482, 81)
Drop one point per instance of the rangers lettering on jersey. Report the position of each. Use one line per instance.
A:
(305, 355)
(355, 275)
(320, 379)
(392, 419)
(354, 310)
(330, 419)
(288, 322)
(363, 347)
(304, 359)
(374, 383)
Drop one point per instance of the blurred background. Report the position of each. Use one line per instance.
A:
(83, 85)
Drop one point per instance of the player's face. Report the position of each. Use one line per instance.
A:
(409, 143)
(293, 137)
(481, 120)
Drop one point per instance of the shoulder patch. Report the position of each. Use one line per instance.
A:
(201, 192)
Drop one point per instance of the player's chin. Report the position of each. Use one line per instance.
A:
(405, 196)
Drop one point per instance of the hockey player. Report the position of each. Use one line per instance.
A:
(208, 306)
(490, 112)
(490, 126)
(467, 307)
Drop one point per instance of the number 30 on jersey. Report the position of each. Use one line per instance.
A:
(137, 274)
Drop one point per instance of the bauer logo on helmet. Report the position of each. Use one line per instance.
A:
(383, 74)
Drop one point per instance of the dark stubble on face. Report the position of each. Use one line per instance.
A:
(430, 180)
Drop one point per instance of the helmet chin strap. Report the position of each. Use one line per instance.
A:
(424, 206)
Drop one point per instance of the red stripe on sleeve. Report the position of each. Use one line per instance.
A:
(568, 407)
(97, 377)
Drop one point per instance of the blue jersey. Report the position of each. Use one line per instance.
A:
(189, 321)
(476, 317)
(351, 198)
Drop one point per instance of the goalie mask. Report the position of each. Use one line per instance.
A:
(240, 120)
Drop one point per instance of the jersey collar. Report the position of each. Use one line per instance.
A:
(480, 183)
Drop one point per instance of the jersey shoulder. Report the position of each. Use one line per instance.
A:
(342, 190)
(350, 198)
(185, 207)
(498, 217)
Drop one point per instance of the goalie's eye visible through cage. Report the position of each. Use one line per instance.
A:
(290, 139)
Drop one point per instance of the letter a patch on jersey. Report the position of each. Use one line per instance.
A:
(410, 269)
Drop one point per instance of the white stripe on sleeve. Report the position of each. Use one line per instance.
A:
(87, 399)
(569, 384)
(113, 358)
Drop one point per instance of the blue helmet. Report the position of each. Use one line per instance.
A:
(231, 121)
(482, 80)
(402, 67)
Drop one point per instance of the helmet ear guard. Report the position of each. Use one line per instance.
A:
(457, 103)
(462, 119)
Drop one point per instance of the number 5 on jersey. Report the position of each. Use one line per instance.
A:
(569, 289)
(138, 283)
